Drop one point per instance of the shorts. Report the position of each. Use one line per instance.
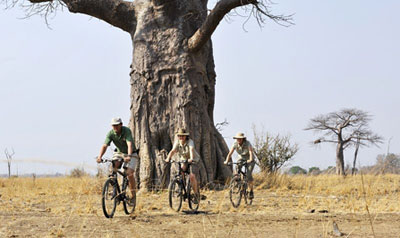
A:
(250, 168)
(131, 164)
(193, 168)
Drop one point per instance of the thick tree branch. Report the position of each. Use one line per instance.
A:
(118, 13)
(223, 7)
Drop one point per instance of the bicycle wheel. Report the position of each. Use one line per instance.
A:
(128, 202)
(235, 191)
(108, 201)
(193, 198)
(175, 195)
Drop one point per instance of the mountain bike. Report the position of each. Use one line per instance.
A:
(113, 194)
(180, 189)
(238, 186)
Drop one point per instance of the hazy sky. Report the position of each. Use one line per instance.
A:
(59, 88)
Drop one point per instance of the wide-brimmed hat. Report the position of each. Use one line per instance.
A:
(116, 121)
(239, 135)
(182, 132)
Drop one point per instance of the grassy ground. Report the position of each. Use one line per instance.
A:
(367, 206)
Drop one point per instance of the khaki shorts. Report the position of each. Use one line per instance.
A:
(194, 169)
(131, 164)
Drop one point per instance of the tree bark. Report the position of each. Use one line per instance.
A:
(340, 159)
(353, 171)
(172, 87)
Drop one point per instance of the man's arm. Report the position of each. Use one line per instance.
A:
(228, 157)
(172, 152)
(130, 150)
(103, 150)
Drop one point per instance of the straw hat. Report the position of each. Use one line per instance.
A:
(239, 135)
(182, 132)
(116, 121)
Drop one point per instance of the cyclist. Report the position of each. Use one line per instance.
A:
(246, 154)
(121, 136)
(184, 146)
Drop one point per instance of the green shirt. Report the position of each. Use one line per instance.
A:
(120, 140)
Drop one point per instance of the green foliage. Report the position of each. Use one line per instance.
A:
(273, 151)
(297, 170)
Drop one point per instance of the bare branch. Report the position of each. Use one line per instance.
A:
(118, 13)
(222, 8)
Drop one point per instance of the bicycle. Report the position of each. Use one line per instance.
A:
(180, 188)
(238, 186)
(113, 194)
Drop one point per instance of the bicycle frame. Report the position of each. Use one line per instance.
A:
(114, 174)
(182, 175)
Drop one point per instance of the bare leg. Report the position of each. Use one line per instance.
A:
(132, 182)
(193, 181)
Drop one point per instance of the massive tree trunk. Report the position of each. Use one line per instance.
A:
(173, 87)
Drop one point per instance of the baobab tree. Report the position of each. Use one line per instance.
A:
(172, 73)
(347, 127)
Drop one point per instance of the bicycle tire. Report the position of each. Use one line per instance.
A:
(128, 207)
(192, 197)
(108, 201)
(235, 191)
(175, 195)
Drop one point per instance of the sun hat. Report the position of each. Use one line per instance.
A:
(239, 135)
(182, 132)
(116, 121)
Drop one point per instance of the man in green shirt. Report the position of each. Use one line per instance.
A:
(121, 136)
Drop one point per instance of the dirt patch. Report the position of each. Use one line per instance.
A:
(271, 215)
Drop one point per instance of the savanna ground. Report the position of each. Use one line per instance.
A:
(367, 206)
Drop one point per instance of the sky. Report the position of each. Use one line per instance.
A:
(60, 87)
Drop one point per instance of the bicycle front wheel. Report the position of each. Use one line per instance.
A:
(175, 195)
(108, 201)
(129, 203)
(235, 191)
(193, 198)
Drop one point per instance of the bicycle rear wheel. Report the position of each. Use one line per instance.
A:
(128, 202)
(175, 195)
(193, 198)
(235, 191)
(108, 201)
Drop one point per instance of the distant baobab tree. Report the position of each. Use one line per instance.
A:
(345, 128)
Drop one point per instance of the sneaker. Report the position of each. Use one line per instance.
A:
(251, 195)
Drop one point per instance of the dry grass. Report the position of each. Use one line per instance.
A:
(282, 203)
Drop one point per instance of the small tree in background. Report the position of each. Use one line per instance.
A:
(348, 127)
(273, 151)
(78, 172)
(314, 171)
(297, 170)
(389, 163)
(9, 160)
